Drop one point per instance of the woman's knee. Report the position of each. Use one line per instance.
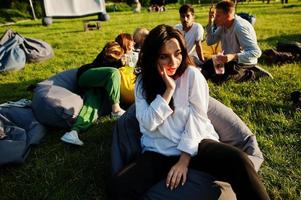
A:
(241, 159)
(225, 152)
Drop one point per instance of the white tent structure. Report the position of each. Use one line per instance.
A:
(73, 8)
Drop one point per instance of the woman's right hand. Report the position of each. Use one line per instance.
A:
(169, 81)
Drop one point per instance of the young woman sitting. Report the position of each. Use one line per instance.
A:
(171, 98)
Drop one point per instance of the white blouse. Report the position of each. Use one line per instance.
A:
(170, 132)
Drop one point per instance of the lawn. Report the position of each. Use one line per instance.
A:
(55, 170)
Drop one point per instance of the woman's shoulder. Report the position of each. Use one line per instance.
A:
(193, 72)
(241, 25)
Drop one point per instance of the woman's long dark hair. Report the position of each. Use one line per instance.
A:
(152, 82)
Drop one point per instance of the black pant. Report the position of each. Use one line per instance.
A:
(224, 162)
(233, 70)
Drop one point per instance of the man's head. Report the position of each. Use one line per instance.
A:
(224, 13)
(186, 15)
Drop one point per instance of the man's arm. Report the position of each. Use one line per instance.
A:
(247, 39)
(213, 36)
(199, 50)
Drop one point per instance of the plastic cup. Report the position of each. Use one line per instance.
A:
(219, 68)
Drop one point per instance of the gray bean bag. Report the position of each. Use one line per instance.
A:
(22, 131)
(34, 49)
(231, 129)
(12, 57)
(56, 101)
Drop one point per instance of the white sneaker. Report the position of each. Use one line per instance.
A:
(118, 114)
(72, 138)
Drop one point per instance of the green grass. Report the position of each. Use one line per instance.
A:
(55, 170)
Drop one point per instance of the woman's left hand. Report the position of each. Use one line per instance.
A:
(178, 172)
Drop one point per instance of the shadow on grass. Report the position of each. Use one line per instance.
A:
(75, 31)
(52, 31)
(31, 24)
(57, 170)
(16, 91)
(291, 6)
(282, 38)
(271, 107)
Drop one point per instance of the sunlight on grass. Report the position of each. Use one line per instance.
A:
(58, 171)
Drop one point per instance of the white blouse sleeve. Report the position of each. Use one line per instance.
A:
(198, 126)
(150, 116)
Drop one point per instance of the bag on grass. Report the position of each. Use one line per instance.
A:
(34, 49)
(19, 132)
(12, 57)
(292, 47)
(55, 106)
(250, 18)
(37, 50)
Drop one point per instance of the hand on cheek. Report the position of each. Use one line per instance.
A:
(169, 81)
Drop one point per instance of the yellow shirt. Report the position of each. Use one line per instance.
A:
(127, 84)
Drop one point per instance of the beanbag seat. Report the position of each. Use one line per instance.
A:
(21, 130)
(231, 129)
(57, 101)
(35, 50)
